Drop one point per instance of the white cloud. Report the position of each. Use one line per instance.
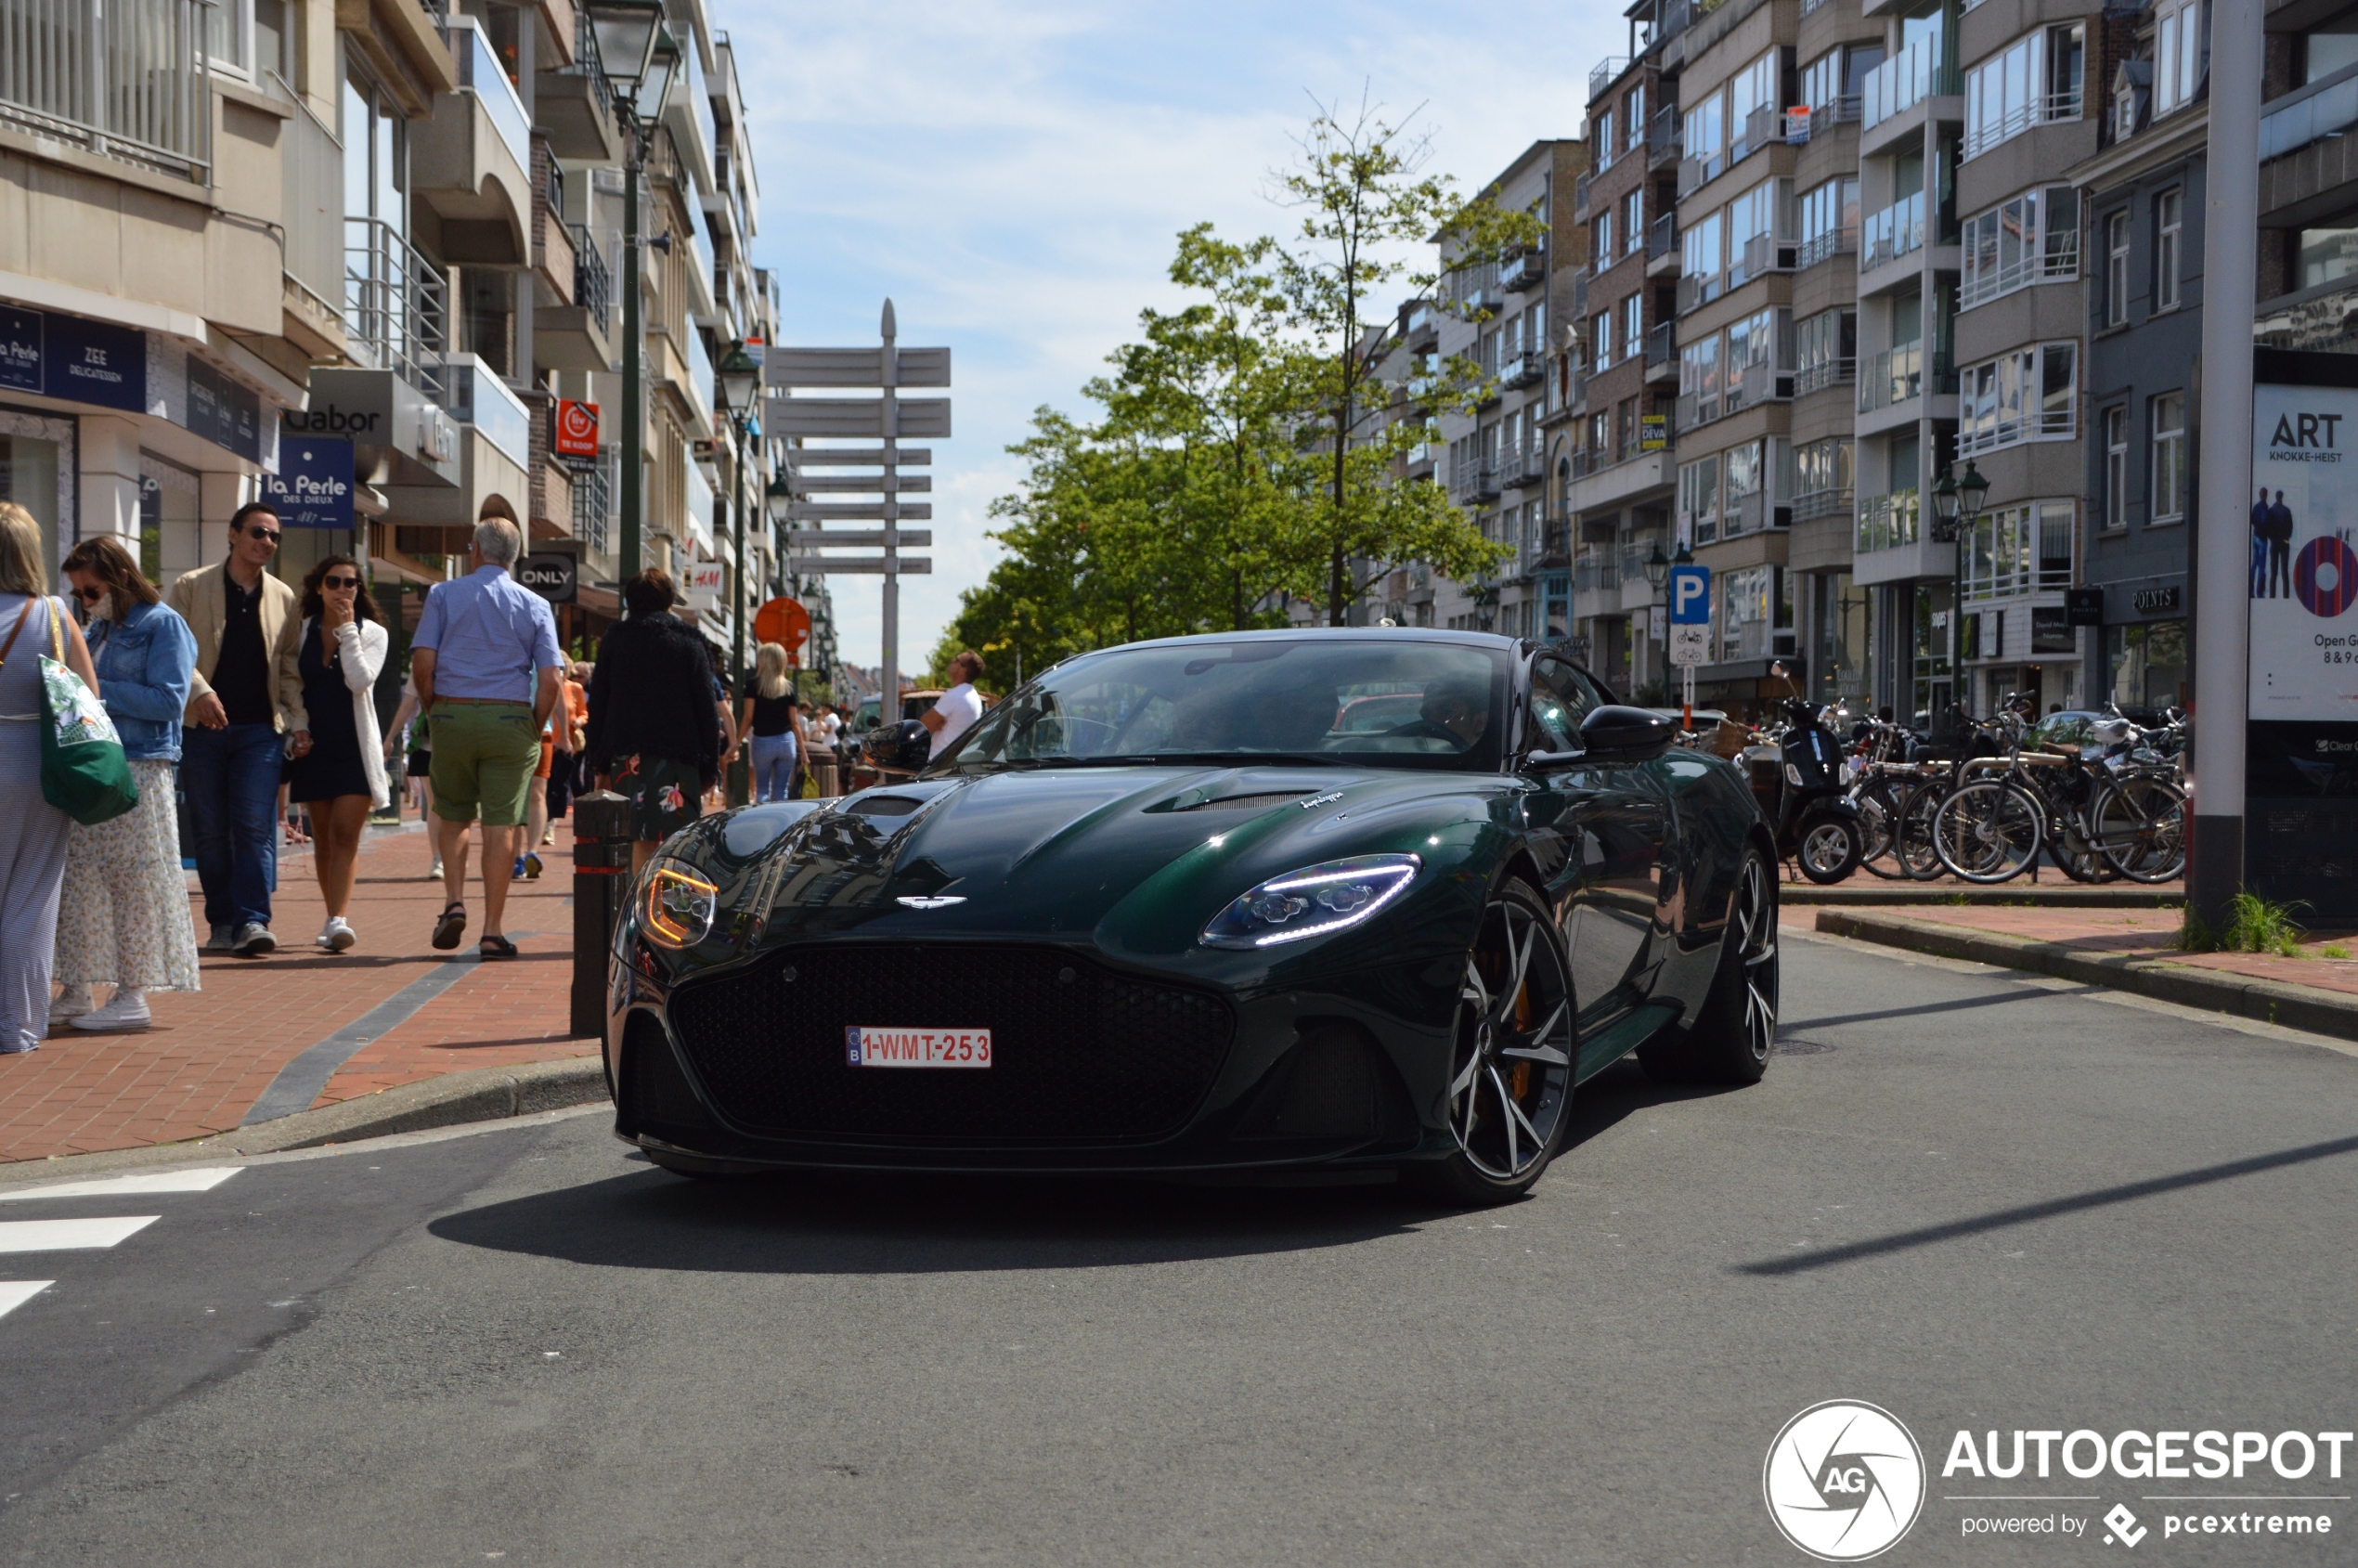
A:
(1012, 174)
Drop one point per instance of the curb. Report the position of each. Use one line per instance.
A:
(493, 1093)
(2270, 1002)
(2021, 895)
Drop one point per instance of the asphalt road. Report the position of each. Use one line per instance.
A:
(1977, 1201)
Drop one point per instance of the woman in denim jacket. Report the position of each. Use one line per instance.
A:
(122, 915)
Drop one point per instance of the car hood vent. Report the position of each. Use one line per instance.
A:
(1247, 802)
(883, 805)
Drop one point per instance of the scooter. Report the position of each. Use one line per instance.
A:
(1796, 775)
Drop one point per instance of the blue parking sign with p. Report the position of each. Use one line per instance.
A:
(1689, 596)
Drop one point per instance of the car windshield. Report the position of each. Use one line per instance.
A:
(1384, 702)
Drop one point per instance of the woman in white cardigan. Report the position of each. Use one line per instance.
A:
(341, 778)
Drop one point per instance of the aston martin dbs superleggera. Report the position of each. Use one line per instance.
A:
(1349, 900)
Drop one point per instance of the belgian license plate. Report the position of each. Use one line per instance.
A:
(868, 1045)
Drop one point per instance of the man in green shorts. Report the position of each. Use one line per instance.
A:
(488, 674)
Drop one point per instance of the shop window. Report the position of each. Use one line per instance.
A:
(2145, 665)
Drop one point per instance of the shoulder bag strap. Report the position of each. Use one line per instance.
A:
(9, 645)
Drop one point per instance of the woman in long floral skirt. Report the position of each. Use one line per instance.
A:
(122, 915)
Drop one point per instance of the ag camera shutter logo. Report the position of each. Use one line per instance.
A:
(1844, 1480)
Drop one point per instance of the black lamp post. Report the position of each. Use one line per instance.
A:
(1657, 566)
(637, 55)
(1956, 506)
(740, 383)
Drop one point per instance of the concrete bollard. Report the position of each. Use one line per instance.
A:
(600, 881)
(823, 774)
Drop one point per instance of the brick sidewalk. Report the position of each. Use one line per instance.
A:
(2135, 933)
(210, 1054)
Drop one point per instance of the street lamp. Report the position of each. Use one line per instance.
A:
(739, 375)
(1685, 557)
(1956, 503)
(638, 55)
(1657, 566)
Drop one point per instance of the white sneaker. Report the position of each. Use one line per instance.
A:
(435, 874)
(336, 936)
(125, 1011)
(71, 1003)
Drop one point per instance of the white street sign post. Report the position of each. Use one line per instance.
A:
(888, 420)
(1690, 628)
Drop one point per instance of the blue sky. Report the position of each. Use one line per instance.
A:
(1013, 175)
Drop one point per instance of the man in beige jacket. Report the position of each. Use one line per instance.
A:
(244, 719)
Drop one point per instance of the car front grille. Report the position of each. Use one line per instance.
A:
(1079, 1053)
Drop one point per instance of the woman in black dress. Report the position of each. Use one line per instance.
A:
(341, 777)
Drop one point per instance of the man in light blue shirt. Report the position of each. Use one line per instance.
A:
(489, 673)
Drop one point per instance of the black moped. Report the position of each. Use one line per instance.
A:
(1796, 775)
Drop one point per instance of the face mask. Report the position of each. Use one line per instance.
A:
(104, 609)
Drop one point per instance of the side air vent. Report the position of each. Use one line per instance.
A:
(1247, 802)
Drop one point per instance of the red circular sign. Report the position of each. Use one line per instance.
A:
(2320, 558)
(577, 428)
(782, 621)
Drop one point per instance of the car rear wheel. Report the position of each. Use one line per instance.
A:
(1511, 1077)
(1731, 1039)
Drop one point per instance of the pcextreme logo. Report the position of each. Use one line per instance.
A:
(1844, 1480)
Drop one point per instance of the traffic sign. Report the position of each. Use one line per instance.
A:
(782, 621)
(1689, 596)
(1690, 645)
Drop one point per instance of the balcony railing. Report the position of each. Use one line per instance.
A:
(2018, 551)
(593, 501)
(1479, 483)
(127, 79)
(396, 306)
(1422, 324)
(1824, 374)
(1897, 374)
(1822, 247)
(1662, 133)
(1812, 504)
(2328, 108)
(1895, 231)
(1662, 236)
(593, 283)
(1526, 270)
(1661, 344)
(1603, 74)
(1887, 522)
(480, 70)
(1761, 127)
(1526, 368)
(1580, 197)
(2059, 262)
(1917, 73)
(2001, 428)
(311, 173)
(2041, 111)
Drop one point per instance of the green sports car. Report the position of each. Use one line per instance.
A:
(1349, 900)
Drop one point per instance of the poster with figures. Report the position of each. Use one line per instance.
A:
(2304, 554)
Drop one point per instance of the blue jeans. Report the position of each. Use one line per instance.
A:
(231, 778)
(773, 760)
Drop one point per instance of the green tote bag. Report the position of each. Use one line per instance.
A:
(83, 773)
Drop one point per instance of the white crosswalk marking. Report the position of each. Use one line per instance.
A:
(60, 1236)
(14, 1293)
(134, 1185)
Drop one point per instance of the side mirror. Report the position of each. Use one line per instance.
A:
(1614, 733)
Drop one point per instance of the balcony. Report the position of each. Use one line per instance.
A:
(127, 81)
(1522, 467)
(1662, 134)
(1813, 505)
(1765, 254)
(1527, 368)
(475, 396)
(1482, 303)
(1762, 127)
(1993, 427)
(1526, 269)
(396, 306)
(1605, 72)
(1421, 326)
(1825, 247)
(1890, 521)
(2047, 108)
(1661, 245)
(1824, 373)
(1661, 349)
(1895, 375)
(594, 487)
(552, 259)
(1477, 485)
(1760, 383)
(574, 107)
(580, 335)
(2012, 551)
(311, 202)
(2324, 108)
(468, 161)
(1904, 81)
(1695, 290)
(2059, 262)
(1580, 197)
(1896, 231)
(1803, 121)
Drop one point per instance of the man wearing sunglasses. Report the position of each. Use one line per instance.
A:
(245, 717)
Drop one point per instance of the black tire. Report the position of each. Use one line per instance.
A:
(1734, 1032)
(1827, 847)
(1911, 840)
(1511, 1068)
(703, 1170)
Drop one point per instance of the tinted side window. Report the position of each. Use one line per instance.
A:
(1561, 697)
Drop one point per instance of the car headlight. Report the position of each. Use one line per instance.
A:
(1313, 902)
(675, 905)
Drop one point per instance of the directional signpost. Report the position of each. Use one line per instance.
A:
(888, 420)
(1690, 627)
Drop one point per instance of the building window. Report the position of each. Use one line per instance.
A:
(1600, 241)
(2116, 269)
(2177, 55)
(1705, 129)
(1633, 326)
(2146, 665)
(2116, 425)
(1699, 501)
(2031, 82)
(1826, 349)
(1633, 117)
(1601, 341)
(2170, 225)
(1602, 140)
(2011, 551)
(1701, 257)
(1755, 221)
(1633, 221)
(2325, 255)
(1752, 93)
(1822, 481)
(1699, 381)
(1829, 221)
(2169, 490)
(2032, 238)
(2026, 395)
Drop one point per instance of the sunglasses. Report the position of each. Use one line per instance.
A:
(256, 531)
(90, 595)
(338, 582)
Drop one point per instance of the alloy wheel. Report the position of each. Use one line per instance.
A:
(1510, 1082)
(1754, 935)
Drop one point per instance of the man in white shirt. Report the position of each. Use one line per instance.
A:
(959, 706)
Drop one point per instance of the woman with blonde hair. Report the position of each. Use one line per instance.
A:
(768, 716)
(123, 915)
(32, 832)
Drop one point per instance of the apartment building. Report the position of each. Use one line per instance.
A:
(1612, 460)
(1497, 315)
(355, 257)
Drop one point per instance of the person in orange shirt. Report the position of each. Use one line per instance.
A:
(552, 780)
